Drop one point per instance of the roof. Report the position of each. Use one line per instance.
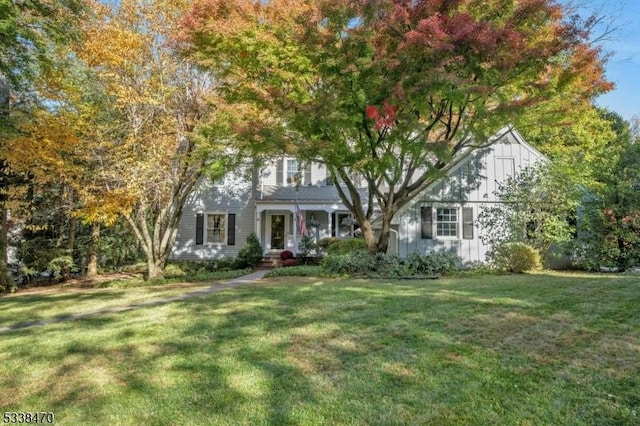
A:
(314, 193)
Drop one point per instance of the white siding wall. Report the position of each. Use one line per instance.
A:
(236, 197)
(472, 184)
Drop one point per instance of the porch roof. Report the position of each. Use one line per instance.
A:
(311, 193)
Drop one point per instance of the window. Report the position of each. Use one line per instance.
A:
(216, 231)
(446, 222)
(293, 172)
(347, 225)
(449, 222)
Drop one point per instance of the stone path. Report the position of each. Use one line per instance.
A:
(245, 279)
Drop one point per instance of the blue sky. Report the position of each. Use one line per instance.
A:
(623, 67)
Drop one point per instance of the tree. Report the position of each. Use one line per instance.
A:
(610, 216)
(30, 31)
(162, 136)
(396, 91)
(538, 207)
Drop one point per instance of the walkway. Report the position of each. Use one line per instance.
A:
(236, 282)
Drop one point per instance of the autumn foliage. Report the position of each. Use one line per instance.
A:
(392, 89)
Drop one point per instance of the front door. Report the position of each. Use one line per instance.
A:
(277, 232)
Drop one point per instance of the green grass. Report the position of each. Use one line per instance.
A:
(176, 277)
(540, 349)
(58, 301)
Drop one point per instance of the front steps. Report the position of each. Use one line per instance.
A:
(270, 261)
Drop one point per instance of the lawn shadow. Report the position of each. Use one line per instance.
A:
(332, 351)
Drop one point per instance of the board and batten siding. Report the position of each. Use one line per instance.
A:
(469, 187)
(236, 197)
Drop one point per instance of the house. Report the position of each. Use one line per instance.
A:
(218, 217)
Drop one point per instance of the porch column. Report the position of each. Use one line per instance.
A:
(330, 221)
(258, 229)
(295, 233)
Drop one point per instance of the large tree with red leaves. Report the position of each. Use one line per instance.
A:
(395, 90)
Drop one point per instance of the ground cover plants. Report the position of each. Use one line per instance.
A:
(543, 348)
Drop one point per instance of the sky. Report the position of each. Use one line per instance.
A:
(623, 67)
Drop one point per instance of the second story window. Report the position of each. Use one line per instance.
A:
(293, 172)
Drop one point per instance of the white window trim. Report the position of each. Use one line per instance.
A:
(435, 222)
(285, 171)
(206, 228)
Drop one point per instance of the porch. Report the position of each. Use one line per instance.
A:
(280, 228)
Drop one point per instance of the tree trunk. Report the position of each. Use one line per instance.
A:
(71, 241)
(368, 235)
(155, 269)
(94, 248)
(5, 279)
(383, 239)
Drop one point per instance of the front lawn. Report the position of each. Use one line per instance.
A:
(537, 349)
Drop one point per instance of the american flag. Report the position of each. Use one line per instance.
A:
(302, 226)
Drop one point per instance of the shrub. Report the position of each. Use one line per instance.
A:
(297, 271)
(286, 254)
(389, 265)
(289, 262)
(432, 263)
(515, 257)
(226, 264)
(61, 267)
(251, 254)
(173, 270)
(359, 262)
(324, 243)
(307, 245)
(346, 246)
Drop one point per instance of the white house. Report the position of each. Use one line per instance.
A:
(219, 216)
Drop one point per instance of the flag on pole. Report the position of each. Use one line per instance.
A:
(302, 226)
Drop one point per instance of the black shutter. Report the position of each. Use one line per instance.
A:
(467, 223)
(427, 223)
(199, 229)
(231, 229)
(279, 173)
(333, 224)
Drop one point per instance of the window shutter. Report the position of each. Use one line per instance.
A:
(333, 224)
(279, 172)
(199, 229)
(231, 229)
(427, 223)
(467, 223)
(307, 175)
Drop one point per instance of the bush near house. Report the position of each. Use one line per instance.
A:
(336, 246)
(251, 254)
(286, 254)
(297, 271)
(361, 262)
(515, 257)
(289, 262)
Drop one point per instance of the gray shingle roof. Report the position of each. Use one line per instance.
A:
(324, 193)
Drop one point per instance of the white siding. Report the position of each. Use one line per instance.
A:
(236, 197)
(471, 184)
